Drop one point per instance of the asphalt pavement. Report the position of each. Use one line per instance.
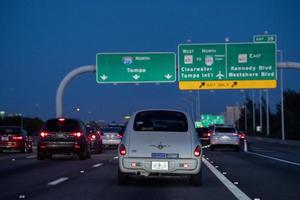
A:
(226, 175)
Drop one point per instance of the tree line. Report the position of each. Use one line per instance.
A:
(291, 117)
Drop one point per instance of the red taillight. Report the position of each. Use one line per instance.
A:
(122, 150)
(119, 136)
(197, 151)
(208, 134)
(77, 134)
(44, 134)
(93, 136)
(17, 137)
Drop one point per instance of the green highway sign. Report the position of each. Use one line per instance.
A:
(135, 67)
(227, 66)
(264, 38)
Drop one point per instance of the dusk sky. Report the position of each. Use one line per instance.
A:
(42, 41)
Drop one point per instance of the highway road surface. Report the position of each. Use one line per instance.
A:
(265, 171)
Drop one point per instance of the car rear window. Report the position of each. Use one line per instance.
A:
(62, 126)
(225, 130)
(9, 130)
(112, 130)
(168, 121)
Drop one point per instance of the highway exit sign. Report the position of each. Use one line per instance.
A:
(264, 38)
(227, 66)
(135, 67)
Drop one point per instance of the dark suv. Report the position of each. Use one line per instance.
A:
(63, 136)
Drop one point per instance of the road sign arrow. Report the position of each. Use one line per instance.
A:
(103, 77)
(234, 84)
(168, 76)
(136, 77)
(202, 84)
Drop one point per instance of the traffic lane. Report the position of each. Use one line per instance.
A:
(9, 155)
(258, 177)
(29, 175)
(102, 183)
(281, 151)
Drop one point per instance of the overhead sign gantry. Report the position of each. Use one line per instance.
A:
(227, 66)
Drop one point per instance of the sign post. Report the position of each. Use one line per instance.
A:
(135, 67)
(227, 66)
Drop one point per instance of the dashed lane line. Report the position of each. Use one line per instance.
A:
(34, 156)
(232, 188)
(58, 181)
(273, 158)
(97, 165)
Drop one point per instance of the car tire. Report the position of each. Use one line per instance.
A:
(122, 177)
(237, 149)
(83, 155)
(40, 156)
(196, 179)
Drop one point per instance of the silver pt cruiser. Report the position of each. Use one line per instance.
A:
(160, 142)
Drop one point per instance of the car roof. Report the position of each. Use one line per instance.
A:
(160, 109)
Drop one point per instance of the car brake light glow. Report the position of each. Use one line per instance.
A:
(77, 134)
(17, 137)
(133, 164)
(119, 136)
(122, 150)
(44, 134)
(208, 134)
(61, 119)
(197, 151)
(93, 136)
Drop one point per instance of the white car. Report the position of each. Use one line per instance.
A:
(160, 142)
(224, 136)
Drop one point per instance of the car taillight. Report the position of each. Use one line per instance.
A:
(122, 150)
(77, 134)
(197, 151)
(43, 134)
(93, 136)
(119, 136)
(17, 137)
(208, 134)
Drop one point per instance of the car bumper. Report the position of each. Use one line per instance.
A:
(60, 147)
(224, 141)
(111, 142)
(143, 166)
(12, 145)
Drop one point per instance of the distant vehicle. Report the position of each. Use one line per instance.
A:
(112, 136)
(204, 134)
(63, 136)
(14, 138)
(160, 142)
(117, 125)
(95, 138)
(223, 136)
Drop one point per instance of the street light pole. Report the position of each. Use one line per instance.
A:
(253, 111)
(260, 109)
(281, 96)
(267, 112)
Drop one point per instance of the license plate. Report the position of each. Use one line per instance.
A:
(161, 166)
(4, 138)
(61, 135)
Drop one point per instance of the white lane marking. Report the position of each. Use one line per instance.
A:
(235, 183)
(58, 181)
(13, 160)
(224, 173)
(82, 171)
(116, 157)
(205, 147)
(22, 196)
(233, 189)
(97, 165)
(273, 158)
(31, 156)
